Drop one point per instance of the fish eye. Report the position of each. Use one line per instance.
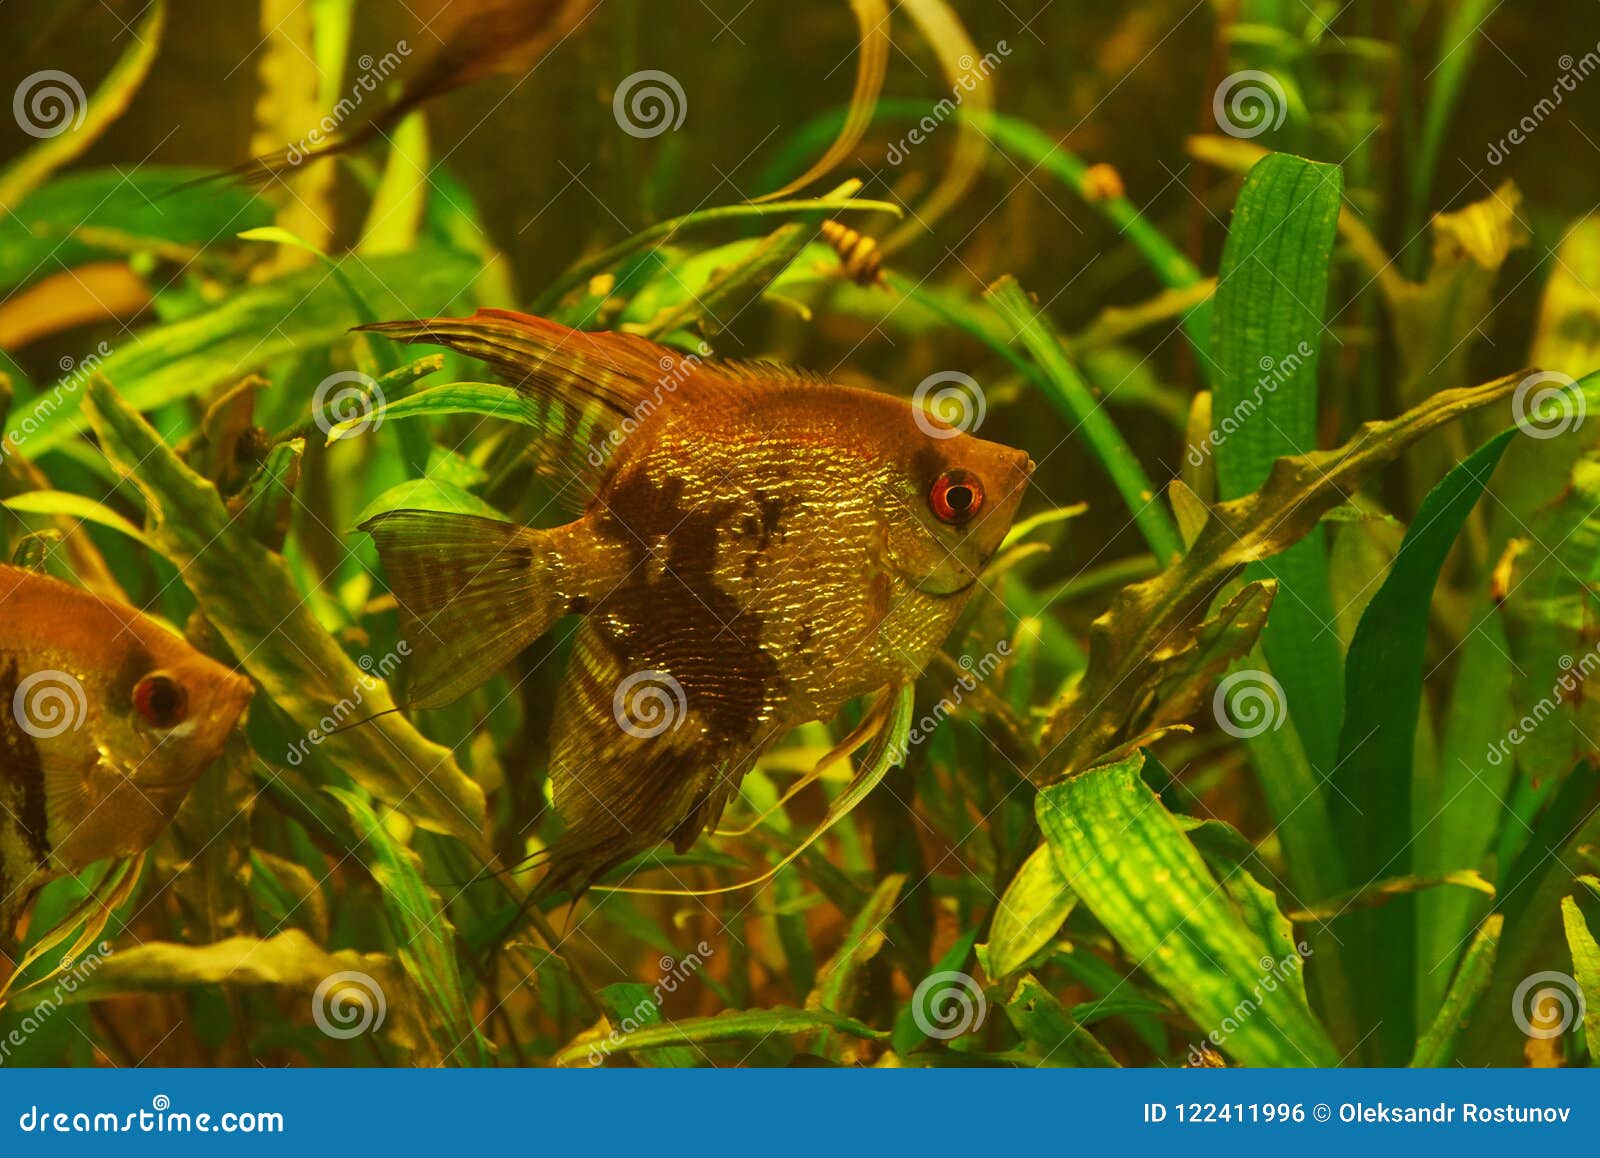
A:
(956, 496)
(161, 700)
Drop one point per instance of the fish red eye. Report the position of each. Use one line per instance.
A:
(956, 496)
(161, 700)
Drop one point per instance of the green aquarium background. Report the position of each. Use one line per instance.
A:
(1267, 741)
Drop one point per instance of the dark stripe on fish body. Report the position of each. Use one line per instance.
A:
(22, 772)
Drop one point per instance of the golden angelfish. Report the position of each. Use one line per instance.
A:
(106, 719)
(756, 548)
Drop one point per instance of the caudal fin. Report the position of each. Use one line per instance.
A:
(472, 593)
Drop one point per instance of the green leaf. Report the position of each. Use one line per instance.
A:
(659, 234)
(1071, 395)
(1135, 639)
(93, 213)
(1371, 805)
(248, 593)
(424, 937)
(1435, 1046)
(484, 398)
(1133, 867)
(1266, 331)
(1049, 1026)
(735, 1025)
(426, 494)
(72, 506)
(838, 984)
(1585, 967)
(1035, 905)
(292, 314)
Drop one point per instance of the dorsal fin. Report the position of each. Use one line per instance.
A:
(596, 386)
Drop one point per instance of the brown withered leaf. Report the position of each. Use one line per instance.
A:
(1133, 645)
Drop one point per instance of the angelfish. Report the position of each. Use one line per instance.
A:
(756, 547)
(106, 719)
